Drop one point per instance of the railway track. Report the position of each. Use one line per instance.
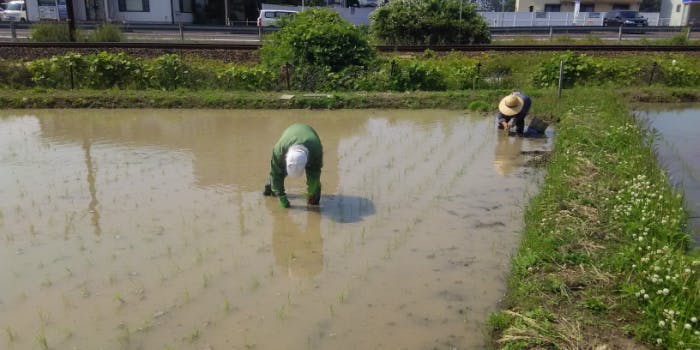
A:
(382, 48)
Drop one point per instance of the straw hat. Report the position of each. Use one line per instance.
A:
(511, 105)
(296, 158)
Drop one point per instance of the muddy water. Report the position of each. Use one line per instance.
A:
(679, 151)
(146, 229)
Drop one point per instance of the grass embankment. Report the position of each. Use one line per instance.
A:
(546, 100)
(604, 260)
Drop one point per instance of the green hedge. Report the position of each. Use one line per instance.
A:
(426, 72)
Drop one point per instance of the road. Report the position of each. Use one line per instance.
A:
(249, 35)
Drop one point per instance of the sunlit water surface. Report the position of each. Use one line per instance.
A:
(146, 229)
(678, 147)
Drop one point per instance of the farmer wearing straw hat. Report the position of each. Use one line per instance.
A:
(513, 108)
(298, 150)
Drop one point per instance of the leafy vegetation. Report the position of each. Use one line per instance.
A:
(49, 32)
(316, 37)
(433, 22)
(426, 72)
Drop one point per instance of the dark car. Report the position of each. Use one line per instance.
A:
(627, 18)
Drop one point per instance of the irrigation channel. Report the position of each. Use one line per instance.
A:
(147, 229)
(678, 150)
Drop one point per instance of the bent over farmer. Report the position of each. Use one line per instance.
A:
(298, 150)
(513, 108)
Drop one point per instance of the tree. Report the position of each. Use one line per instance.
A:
(432, 22)
(316, 38)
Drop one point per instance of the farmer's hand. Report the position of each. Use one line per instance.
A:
(506, 127)
(284, 202)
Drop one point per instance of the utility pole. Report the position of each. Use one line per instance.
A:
(71, 20)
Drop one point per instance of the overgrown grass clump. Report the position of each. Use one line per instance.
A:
(605, 245)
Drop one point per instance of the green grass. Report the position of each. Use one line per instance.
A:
(605, 252)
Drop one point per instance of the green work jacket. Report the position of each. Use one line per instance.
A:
(297, 134)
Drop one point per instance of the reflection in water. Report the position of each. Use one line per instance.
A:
(91, 174)
(147, 229)
(296, 239)
(678, 149)
(508, 156)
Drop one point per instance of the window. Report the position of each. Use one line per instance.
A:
(186, 6)
(134, 6)
(620, 7)
(552, 8)
(586, 8)
(678, 8)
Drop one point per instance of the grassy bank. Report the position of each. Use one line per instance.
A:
(604, 261)
(547, 101)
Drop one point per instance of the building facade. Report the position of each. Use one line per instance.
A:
(571, 6)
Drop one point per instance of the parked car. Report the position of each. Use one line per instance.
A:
(627, 18)
(268, 18)
(16, 11)
(367, 3)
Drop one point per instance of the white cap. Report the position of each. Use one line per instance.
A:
(297, 156)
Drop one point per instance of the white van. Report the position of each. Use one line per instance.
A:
(268, 18)
(16, 11)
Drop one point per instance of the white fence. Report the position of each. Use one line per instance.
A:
(360, 15)
(547, 19)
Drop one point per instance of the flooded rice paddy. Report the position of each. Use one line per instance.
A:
(678, 148)
(147, 229)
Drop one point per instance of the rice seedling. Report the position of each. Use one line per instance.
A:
(194, 335)
(11, 334)
(205, 280)
(227, 306)
(282, 313)
(41, 340)
(44, 318)
(124, 336)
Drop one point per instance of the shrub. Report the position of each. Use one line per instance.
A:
(167, 72)
(577, 67)
(409, 22)
(106, 32)
(106, 70)
(412, 74)
(14, 75)
(49, 32)
(247, 78)
(316, 37)
(58, 71)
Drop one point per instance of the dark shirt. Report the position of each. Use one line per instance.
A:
(520, 117)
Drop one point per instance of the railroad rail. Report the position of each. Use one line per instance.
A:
(175, 46)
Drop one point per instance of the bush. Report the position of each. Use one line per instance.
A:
(60, 72)
(577, 67)
(49, 32)
(431, 22)
(316, 38)
(106, 32)
(167, 72)
(247, 78)
(105, 70)
(14, 75)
